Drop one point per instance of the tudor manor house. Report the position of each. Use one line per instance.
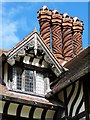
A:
(46, 76)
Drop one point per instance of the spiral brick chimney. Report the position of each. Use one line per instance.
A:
(77, 35)
(64, 31)
(57, 35)
(67, 37)
(44, 17)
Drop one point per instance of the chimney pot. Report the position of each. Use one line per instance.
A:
(55, 11)
(65, 15)
(75, 19)
(45, 7)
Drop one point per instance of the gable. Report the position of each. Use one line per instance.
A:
(33, 51)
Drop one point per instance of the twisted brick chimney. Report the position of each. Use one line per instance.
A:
(67, 37)
(44, 17)
(56, 35)
(77, 35)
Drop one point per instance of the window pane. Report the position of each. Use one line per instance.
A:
(29, 80)
(19, 82)
(17, 78)
(39, 84)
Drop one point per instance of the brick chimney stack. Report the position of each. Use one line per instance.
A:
(44, 17)
(77, 35)
(57, 35)
(67, 37)
(64, 31)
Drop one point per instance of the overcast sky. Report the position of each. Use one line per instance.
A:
(18, 19)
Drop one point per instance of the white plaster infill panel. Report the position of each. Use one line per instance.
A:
(2, 103)
(25, 111)
(12, 109)
(38, 113)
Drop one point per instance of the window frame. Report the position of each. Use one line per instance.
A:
(35, 72)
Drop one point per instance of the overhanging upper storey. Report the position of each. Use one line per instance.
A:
(33, 51)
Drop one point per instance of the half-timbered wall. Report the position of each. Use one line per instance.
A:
(73, 99)
(14, 110)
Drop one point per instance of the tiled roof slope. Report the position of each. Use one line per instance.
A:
(2, 51)
(77, 67)
(24, 97)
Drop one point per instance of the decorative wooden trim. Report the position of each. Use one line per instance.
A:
(31, 67)
(28, 103)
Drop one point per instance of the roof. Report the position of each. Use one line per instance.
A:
(27, 40)
(2, 51)
(23, 98)
(77, 68)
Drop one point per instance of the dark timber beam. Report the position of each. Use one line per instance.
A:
(26, 102)
(41, 60)
(32, 112)
(6, 106)
(11, 117)
(32, 67)
(43, 114)
(19, 110)
(86, 85)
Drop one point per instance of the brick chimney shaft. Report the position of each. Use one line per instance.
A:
(77, 35)
(67, 37)
(57, 35)
(44, 17)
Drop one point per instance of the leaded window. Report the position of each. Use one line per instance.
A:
(29, 81)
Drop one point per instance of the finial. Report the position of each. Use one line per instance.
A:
(75, 19)
(44, 7)
(35, 30)
(65, 15)
(55, 11)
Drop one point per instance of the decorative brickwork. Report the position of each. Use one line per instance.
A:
(44, 17)
(57, 35)
(67, 37)
(64, 31)
(77, 35)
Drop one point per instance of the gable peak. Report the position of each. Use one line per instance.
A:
(35, 30)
